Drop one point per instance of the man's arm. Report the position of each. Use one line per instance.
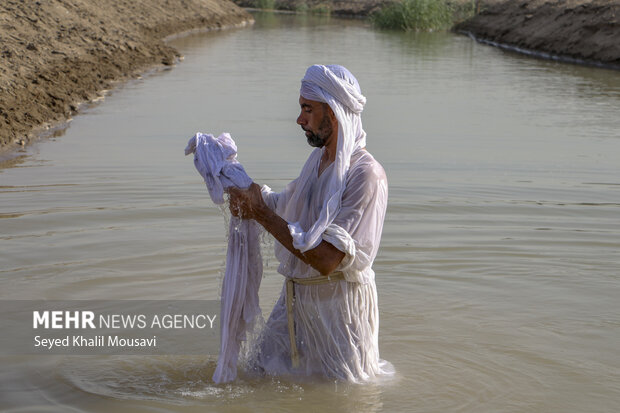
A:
(249, 204)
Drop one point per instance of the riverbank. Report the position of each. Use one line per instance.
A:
(578, 31)
(55, 55)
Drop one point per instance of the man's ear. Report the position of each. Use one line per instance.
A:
(330, 113)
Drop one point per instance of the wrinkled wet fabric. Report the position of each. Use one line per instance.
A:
(336, 324)
(216, 161)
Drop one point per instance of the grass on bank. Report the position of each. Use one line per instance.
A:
(423, 14)
(396, 14)
(266, 4)
(296, 6)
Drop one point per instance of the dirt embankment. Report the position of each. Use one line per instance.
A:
(585, 31)
(55, 54)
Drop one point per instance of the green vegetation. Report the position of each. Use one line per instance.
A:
(466, 10)
(306, 7)
(422, 14)
(299, 6)
(398, 15)
(321, 9)
(265, 4)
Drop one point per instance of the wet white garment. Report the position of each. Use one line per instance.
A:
(216, 161)
(336, 324)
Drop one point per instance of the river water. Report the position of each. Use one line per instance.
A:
(499, 268)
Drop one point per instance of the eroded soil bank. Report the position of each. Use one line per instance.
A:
(586, 31)
(56, 54)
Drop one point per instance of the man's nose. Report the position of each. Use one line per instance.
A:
(300, 120)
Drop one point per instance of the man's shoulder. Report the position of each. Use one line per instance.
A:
(366, 172)
(365, 166)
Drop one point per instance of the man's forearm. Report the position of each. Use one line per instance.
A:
(324, 258)
(278, 227)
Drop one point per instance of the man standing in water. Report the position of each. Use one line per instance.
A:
(328, 225)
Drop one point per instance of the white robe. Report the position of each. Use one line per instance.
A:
(336, 324)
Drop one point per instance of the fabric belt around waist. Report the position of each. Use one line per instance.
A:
(290, 296)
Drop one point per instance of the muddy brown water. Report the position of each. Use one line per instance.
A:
(499, 268)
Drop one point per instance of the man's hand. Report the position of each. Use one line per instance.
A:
(249, 204)
(246, 203)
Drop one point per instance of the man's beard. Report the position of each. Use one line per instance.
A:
(315, 140)
(318, 139)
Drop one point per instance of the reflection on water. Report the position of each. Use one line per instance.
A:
(498, 270)
(12, 160)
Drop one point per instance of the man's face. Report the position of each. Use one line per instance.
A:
(316, 121)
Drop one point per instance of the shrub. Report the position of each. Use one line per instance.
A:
(301, 8)
(415, 15)
(266, 4)
(321, 9)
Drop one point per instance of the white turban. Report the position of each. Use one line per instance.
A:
(337, 87)
(324, 82)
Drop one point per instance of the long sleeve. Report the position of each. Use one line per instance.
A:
(357, 228)
(270, 197)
